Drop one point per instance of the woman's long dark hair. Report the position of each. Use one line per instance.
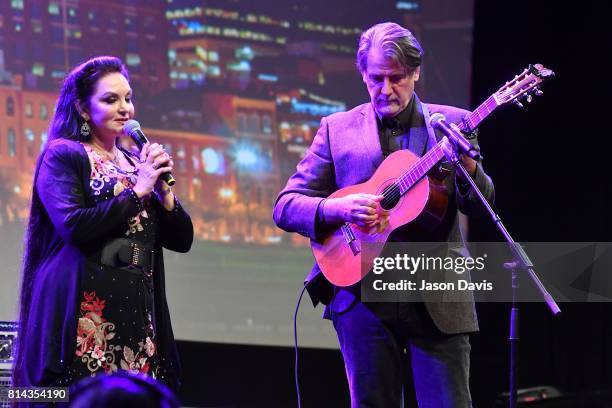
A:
(78, 87)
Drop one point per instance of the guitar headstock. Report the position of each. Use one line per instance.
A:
(523, 85)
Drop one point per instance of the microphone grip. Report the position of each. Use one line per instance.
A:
(168, 178)
(140, 139)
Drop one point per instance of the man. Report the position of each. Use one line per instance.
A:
(384, 343)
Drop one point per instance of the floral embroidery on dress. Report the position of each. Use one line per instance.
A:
(138, 363)
(102, 170)
(93, 332)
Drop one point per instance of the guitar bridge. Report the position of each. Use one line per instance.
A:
(350, 239)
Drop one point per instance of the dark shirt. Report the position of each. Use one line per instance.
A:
(394, 133)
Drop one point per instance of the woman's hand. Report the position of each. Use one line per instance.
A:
(154, 161)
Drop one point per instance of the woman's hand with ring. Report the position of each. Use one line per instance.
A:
(154, 161)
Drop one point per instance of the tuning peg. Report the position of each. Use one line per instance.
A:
(529, 98)
(538, 92)
(517, 103)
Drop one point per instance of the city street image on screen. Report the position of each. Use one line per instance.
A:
(235, 91)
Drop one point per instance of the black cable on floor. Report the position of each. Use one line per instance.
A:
(295, 339)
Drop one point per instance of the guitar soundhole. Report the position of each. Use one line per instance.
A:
(392, 196)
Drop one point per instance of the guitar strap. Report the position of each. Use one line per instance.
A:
(444, 168)
(433, 137)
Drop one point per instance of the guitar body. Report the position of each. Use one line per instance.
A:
(422, 199)
(425, 202)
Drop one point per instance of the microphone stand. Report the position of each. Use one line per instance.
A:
(520, 262)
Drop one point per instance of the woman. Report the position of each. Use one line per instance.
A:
(93, 293)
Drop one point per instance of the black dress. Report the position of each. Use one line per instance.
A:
(81, 317)
(115, 322)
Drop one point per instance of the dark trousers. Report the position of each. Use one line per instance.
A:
(394, 354)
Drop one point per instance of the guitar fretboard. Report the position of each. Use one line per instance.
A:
(420, 168)
(433, 156)
(479, 114)
(522, 84)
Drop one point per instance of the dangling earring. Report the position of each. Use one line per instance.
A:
(85, 129)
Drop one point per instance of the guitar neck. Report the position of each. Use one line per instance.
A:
(521, 86)
(433, 156)
(479, 114)
(420, 168)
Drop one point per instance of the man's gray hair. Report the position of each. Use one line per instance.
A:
(395, 41)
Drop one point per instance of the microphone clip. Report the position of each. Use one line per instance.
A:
(454, 136)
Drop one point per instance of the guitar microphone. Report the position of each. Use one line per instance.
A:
(133, 130)
(438, 121)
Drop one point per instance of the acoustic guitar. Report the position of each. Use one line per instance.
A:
(410, 194)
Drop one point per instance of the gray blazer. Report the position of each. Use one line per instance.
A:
(346, 151)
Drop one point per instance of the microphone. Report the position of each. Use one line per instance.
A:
(438, 121)
(133, 130)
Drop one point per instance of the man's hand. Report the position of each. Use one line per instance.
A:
(361, 209)
(469, 164)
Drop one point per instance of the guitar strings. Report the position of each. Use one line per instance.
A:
(393, 192)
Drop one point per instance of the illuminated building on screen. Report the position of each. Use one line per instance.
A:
(277, 55)
(205, 180)
(43, 39)
(220, 42)
(253, 160)
(299, 113)
(24, 119)
(234, 89)
(228, 183)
